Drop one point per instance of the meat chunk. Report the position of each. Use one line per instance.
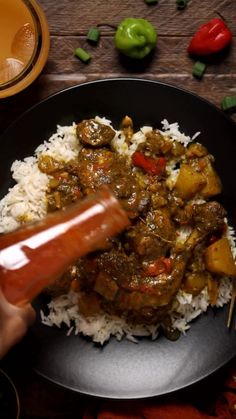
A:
(153, 237)
(93, 133)
(158, 145)
(124, 288)
(153, 292)
(155, 144)
(102, 166)
(209, 217)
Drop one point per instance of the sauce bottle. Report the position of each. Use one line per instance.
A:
(34, 256)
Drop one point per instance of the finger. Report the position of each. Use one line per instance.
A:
(14, 330)
(28, 314)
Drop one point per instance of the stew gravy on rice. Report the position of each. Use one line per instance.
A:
(175, 260)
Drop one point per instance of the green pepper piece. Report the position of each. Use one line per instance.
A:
(135, 37)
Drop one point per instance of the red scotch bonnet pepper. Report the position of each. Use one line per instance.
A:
(148, 164)
(210, 38)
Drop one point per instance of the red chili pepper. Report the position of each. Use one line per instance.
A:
(148, 164)
(210, 38)
(159, 266)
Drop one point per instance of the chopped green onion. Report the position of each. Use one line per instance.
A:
(93, 35)
(198, 69)
(151, 1)
(228, 103)
(181, 4)
(82, 55)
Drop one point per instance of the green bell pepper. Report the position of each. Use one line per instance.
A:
(135, 37)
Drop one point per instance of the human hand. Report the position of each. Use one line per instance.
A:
(14, 322)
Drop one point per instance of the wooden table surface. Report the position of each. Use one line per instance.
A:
(69, 21)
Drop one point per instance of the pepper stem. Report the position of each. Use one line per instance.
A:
(109, 25)
(220, 15)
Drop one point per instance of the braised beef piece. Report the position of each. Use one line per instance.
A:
(123, 288)
(209, 217)
(103, 166)
(158, 145)
(153, 237)
(93, 133)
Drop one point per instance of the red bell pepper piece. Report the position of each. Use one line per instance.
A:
(210, 38)
(148, 164)
(159, 266)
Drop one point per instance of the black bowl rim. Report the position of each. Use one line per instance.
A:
(13, 387)
(118, 79)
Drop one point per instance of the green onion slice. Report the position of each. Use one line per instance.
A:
(82, 55)
(199, 69)
(228, 103)
(93, 35)
(181, 4)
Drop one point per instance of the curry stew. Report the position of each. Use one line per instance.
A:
(138, 274)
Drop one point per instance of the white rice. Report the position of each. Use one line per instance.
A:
(172, 131)
(64, 310)
(26, 201)
(63, 145)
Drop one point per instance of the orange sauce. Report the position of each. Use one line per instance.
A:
(17, 38)
(24, 44)
(33, 257)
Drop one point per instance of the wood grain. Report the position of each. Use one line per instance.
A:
(78, 16)
(169, 57)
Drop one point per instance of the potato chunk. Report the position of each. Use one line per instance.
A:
(194, 282)
(189, 181)
(213, 184)
(219, 258)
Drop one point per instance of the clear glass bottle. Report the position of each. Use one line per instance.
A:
(34, 256)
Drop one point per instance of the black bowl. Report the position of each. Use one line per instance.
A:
(124, 369)
(9, 399)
